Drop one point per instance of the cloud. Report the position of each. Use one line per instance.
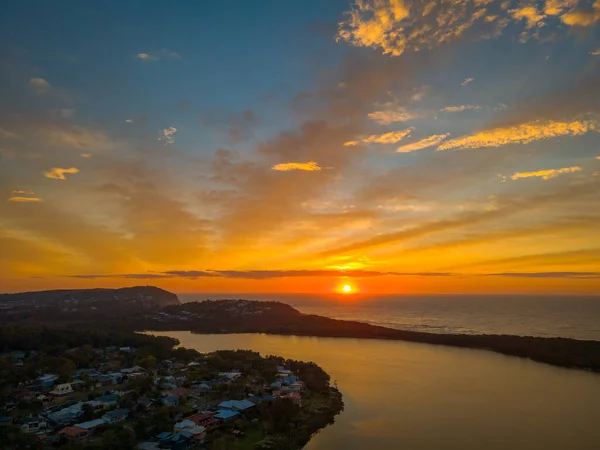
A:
(397, 26)
(128, 120)
(274, 274)
(56, 173)
(8, 134)
(504, 209)
(168, 136)
(24, 199)
(584, 17)
(430, 141)
(310, 166)
(156, 56)
(420, 93)
(595, 52)
(40, 85)
(529, 14)
(461, 108)
(86, 155)
(386, 138)
(467, 81)
(521, 134)
(577, 275)
(398, 114)
(545, 174)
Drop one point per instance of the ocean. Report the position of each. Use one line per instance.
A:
(572, 316)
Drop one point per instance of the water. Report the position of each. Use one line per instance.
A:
(549, 316)
(402, 395)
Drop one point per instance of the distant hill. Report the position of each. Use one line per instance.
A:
(78, 305)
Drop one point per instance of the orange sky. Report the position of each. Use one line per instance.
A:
(414, 147)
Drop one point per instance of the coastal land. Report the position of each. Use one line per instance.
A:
(150, 308)
(122, 390)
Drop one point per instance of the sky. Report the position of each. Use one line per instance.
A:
(445, 146)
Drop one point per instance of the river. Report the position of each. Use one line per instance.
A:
(401, 395)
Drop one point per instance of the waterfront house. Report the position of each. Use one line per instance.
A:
(116, 416)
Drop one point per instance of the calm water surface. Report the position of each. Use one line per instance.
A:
(401, 395)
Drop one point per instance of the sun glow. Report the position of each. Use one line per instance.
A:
(347, 289)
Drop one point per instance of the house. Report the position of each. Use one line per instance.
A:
(197, 432)
(62, 389)
(33, 425)
(122, 391)
(66, 414)
(295, 397)
(78, 385)
(148, 446)
(170, 400)
(145, 402)
(91, 425)
(125, 349)
(236, 405)
(116, 416)
(73, 433)
(206, 420)
(226, 414)
(283, 371)
(47, 380)
(130, 370)
(110, 378)
(108, 400)
(230, 375)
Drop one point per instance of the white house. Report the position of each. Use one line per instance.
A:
(62, 390)
(31, 425)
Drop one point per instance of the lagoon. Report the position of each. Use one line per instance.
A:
(417, 396)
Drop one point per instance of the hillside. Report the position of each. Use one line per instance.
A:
(81, 305)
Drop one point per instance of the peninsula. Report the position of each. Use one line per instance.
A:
(150, 308)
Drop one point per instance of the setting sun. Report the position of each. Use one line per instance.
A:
(347, 288)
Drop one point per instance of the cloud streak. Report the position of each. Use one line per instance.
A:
(545, 174)
(427, 142)
(156, 56)
(521, 134)
(57, 173)
(310, 166)
(274, 274)
(386, 138)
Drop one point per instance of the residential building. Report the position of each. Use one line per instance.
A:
(61, 390)
(116, 416)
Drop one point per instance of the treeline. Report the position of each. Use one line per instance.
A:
(53, 341)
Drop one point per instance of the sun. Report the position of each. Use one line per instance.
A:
(347, 289)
